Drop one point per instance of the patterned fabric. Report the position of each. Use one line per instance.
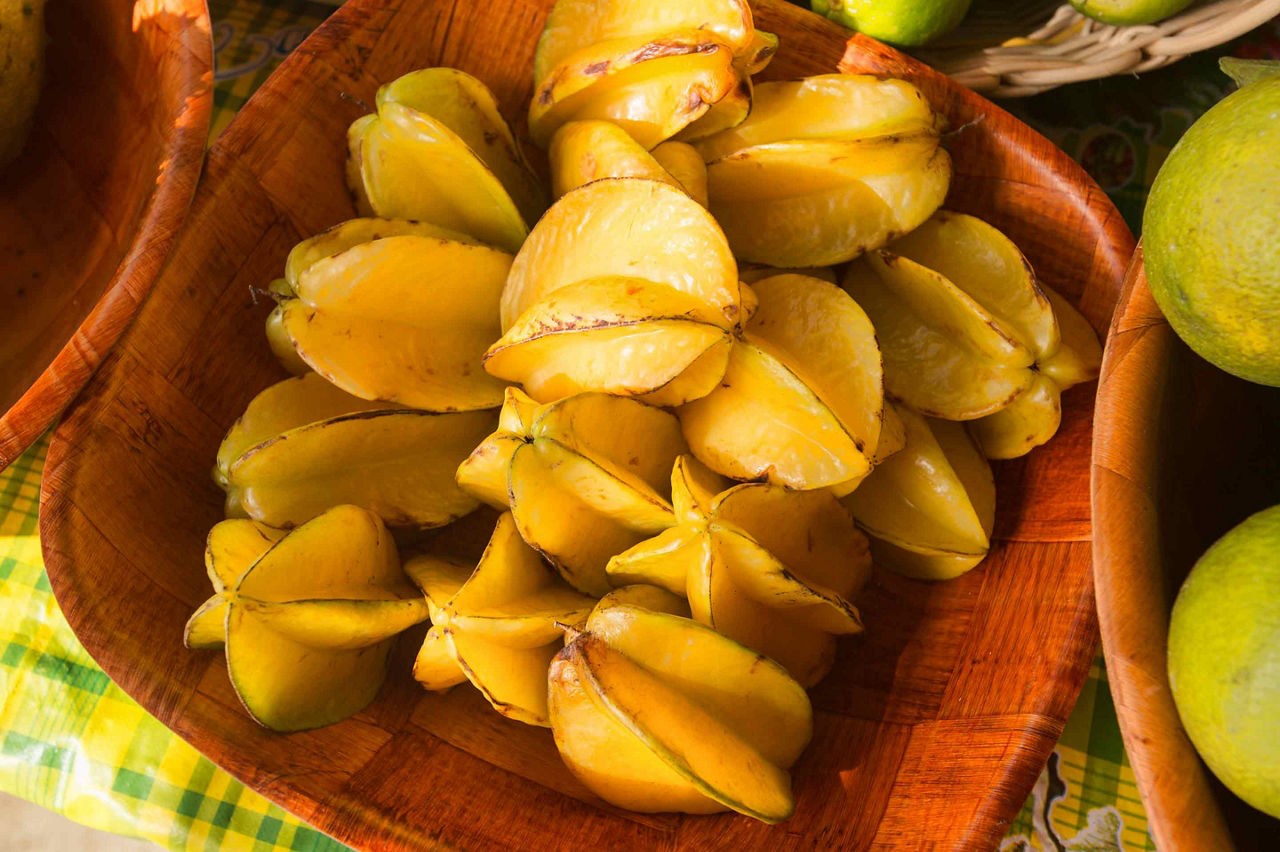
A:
(72, 741)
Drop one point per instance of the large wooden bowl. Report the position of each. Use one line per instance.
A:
(1182, 453)
(90, 210)
(931, 729)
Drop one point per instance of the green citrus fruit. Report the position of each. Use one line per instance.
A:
(1224, 659)
(906, 23)
(1212, 234)
(1126, 12)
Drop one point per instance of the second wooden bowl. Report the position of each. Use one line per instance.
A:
(89, 211)
(932, 727)
(1182, 453)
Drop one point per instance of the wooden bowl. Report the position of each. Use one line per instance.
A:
(931, 729)
(1182, 453)
(90, 210)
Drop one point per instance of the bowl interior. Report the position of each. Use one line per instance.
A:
(112, 122)
(1184, 454)
(933, 725)
(1202, 492)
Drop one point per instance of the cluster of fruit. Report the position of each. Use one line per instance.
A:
(684, 466)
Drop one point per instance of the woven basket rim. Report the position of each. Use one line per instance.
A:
(1069, 47)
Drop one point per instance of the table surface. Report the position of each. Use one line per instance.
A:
(72, 741)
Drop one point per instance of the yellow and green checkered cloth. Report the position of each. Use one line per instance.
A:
(72, 741)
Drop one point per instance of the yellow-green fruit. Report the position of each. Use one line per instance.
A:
(1224, 659)
(902, 22)
(1127, 12)
(1212, 234)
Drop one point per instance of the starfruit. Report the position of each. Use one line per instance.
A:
(652, 85)
(303, 445)
(735, 106)
(466, 106)
(801, 402)
(825, 169)
(438, 151)
(827, 106)
(626, 286)
(497, 625)
(585, 478)
(684, 164)
(770, 568)
(731, 110)
(575, 24)
(967, 332)
(391, 319)
(750, 273)
(930, 508)
(584, 151)
(655, 68)
(654, 712)
(628, 227)
(307, 619)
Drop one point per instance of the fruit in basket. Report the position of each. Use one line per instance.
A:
(929, 508)
(438, 151)
(825, 169)
(966, 331)
(655, 69)
(307, 618)
(1129, 12)
(585, 477)
(584, 151)
(496, 625)
(303, 445)
(1211, 233)
(626, 286)
(1224, 659)
(403, 318)
(801, 400)
(654, 712)
(906, 23)
(770, 568)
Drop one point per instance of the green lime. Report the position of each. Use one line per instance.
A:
(1126, 12)
(1224, 659)
(1212, 234)
(906, 23)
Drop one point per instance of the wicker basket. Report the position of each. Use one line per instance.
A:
(991, 52)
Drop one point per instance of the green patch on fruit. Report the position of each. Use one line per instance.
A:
(906, 23)
(1129, 12)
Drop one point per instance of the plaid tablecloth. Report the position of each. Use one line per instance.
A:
(72, 741)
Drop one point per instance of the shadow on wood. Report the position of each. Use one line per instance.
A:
(90, 210)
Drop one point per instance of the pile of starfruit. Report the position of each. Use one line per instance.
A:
(741, 359)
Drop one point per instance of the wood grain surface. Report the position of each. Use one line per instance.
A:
(90, 210)
(930, 730)
(1183, 452)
